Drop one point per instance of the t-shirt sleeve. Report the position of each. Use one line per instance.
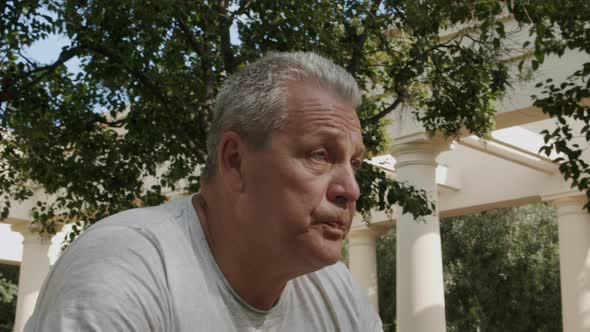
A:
(110, 279)
(370, 320)
(365, 313)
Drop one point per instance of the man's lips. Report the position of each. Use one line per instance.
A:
(334, 229)
(338, 224)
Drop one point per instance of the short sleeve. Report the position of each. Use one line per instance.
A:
(110, 279)
(368, 315)
(371, 320)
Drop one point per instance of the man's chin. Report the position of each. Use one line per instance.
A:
(328, 256)
(319, 251)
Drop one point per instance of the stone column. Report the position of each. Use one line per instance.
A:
(362, 261)
(420, 287)
(34, 268)
(574, 261)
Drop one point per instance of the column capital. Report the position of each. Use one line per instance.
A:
(362, 234)
(30, 231)
(568, 203)
(360, 228)
(419, 149)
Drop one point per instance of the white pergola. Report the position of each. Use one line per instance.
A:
(464, 176)
(470, 175)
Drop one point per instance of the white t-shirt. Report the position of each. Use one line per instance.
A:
(151, 269)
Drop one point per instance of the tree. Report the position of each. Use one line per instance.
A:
(560, 26)
(140, 106)
(501, 271)
(8, 292)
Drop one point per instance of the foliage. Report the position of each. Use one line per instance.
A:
(8, 292)
(501, 271)
(140, 105)
(559, 27)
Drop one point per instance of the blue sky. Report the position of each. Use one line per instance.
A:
(46, 51)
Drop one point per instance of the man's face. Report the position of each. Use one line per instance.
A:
(300, 188)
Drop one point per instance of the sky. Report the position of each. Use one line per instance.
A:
(47, 51)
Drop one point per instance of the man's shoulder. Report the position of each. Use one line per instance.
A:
(144, 218)
(331, 281)
(337, 272)
(125, 235)
(136, 230)
(121, 264)
(105, 278)
(338, 297)
(148, 215)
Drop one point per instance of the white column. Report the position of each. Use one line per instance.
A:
(420, 287)
(362, 261)
(33, 270)
(574, 261)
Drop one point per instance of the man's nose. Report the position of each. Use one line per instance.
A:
(344, 188)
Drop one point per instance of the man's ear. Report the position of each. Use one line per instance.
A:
(230, 155)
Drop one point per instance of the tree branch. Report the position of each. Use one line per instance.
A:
(400, 96)
(190, 38)
(64, 56)
(145, 80)
(108, 53)
(7, 83)
(357, 49)
(115, 124)
(26, 59)
(359, 45)
(387, 110)
(202, 51)
(224, 27)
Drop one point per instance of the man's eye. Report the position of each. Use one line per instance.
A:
(356, 164)
(319, 156)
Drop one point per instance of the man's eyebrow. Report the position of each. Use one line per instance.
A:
(362, 150)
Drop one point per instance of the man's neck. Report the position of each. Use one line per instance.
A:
(250, 272)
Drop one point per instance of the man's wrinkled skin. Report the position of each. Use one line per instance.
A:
(291, 201)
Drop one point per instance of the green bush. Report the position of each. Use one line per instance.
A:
(8, 291)
(501, 271)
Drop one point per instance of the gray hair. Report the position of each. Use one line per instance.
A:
(253, 102)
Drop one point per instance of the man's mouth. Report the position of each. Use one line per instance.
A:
(336, 224)
(334, 229)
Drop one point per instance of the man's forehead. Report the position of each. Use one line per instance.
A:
(328, 121)
(313, 109)
(313, 92)
(308, 101)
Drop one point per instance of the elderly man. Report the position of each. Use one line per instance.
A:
(257, 248)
